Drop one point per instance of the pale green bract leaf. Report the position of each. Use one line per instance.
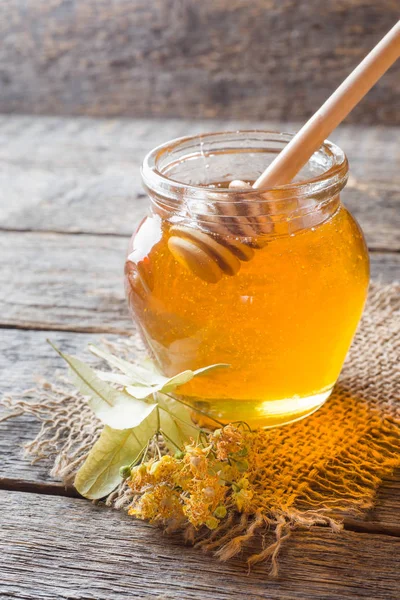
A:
(145, 374)
(175, 422)
(205, 370)
(126, 412)
(169, 384)
(86, 380)
(113, 407)
(138, 391)
(176, 381)
(99, 474)
(112, 377)
(150, 366)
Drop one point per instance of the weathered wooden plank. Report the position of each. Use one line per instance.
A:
(57, 268)
(75, 282)
(190, 59)
(68, 548)
(82, 175)
(63, 282)
(25, 356)
(385, 516)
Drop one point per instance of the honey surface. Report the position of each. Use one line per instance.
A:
(284, 322)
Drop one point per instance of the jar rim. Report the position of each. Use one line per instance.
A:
(157, 181)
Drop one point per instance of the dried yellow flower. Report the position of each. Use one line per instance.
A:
(212, 523)
(220, 512)
(161, 503)
(163, 470)
(229, 440)
(243, 499)
(140, 476)
(199, 484)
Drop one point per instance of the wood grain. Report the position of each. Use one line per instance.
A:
(271, 59)
(70, 549)
(66, 175)
(82, 175)
(75, 282)
(68, 282)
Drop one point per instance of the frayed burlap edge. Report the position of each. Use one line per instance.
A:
(341, 480)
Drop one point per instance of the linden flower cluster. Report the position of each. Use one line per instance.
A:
(198, 485)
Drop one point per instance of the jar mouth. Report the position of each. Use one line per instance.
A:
(325, 173)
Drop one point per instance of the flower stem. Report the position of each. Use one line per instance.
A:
(201, 412)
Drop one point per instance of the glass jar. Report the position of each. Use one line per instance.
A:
(272, 281)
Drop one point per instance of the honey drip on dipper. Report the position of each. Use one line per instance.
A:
(231, 241)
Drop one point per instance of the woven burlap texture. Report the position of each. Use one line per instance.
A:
(313, 472)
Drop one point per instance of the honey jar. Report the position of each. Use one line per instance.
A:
(271, 282)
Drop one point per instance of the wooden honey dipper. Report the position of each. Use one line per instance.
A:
(211, 254)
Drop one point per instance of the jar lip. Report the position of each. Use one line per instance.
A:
(155, 180)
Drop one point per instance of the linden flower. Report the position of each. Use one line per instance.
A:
(139, 477)
(209, 492)
(163, 470)
(212, 491)
(195, 511)
(146, 507)
(170, 506)
(197, 485)
(212, 523)
(196, 459)
(243, 483)
(243, 499)
(228, 440)
(220, 512)
(161, 503)
(205, 496)
(227, 473)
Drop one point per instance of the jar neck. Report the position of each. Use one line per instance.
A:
(187, 181)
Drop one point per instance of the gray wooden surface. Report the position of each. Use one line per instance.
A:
(214, 58)
(72, 549)
(69, 198)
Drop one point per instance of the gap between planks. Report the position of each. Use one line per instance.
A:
(57, 489)
(59, 327)
(372, 250)
(63, 232)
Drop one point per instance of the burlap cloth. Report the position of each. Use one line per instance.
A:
(314, 472)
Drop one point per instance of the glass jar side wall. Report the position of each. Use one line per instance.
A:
(284, 323)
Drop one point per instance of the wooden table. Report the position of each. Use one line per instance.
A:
(70, 196)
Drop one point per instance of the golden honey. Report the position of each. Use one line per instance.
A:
(283, 322)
